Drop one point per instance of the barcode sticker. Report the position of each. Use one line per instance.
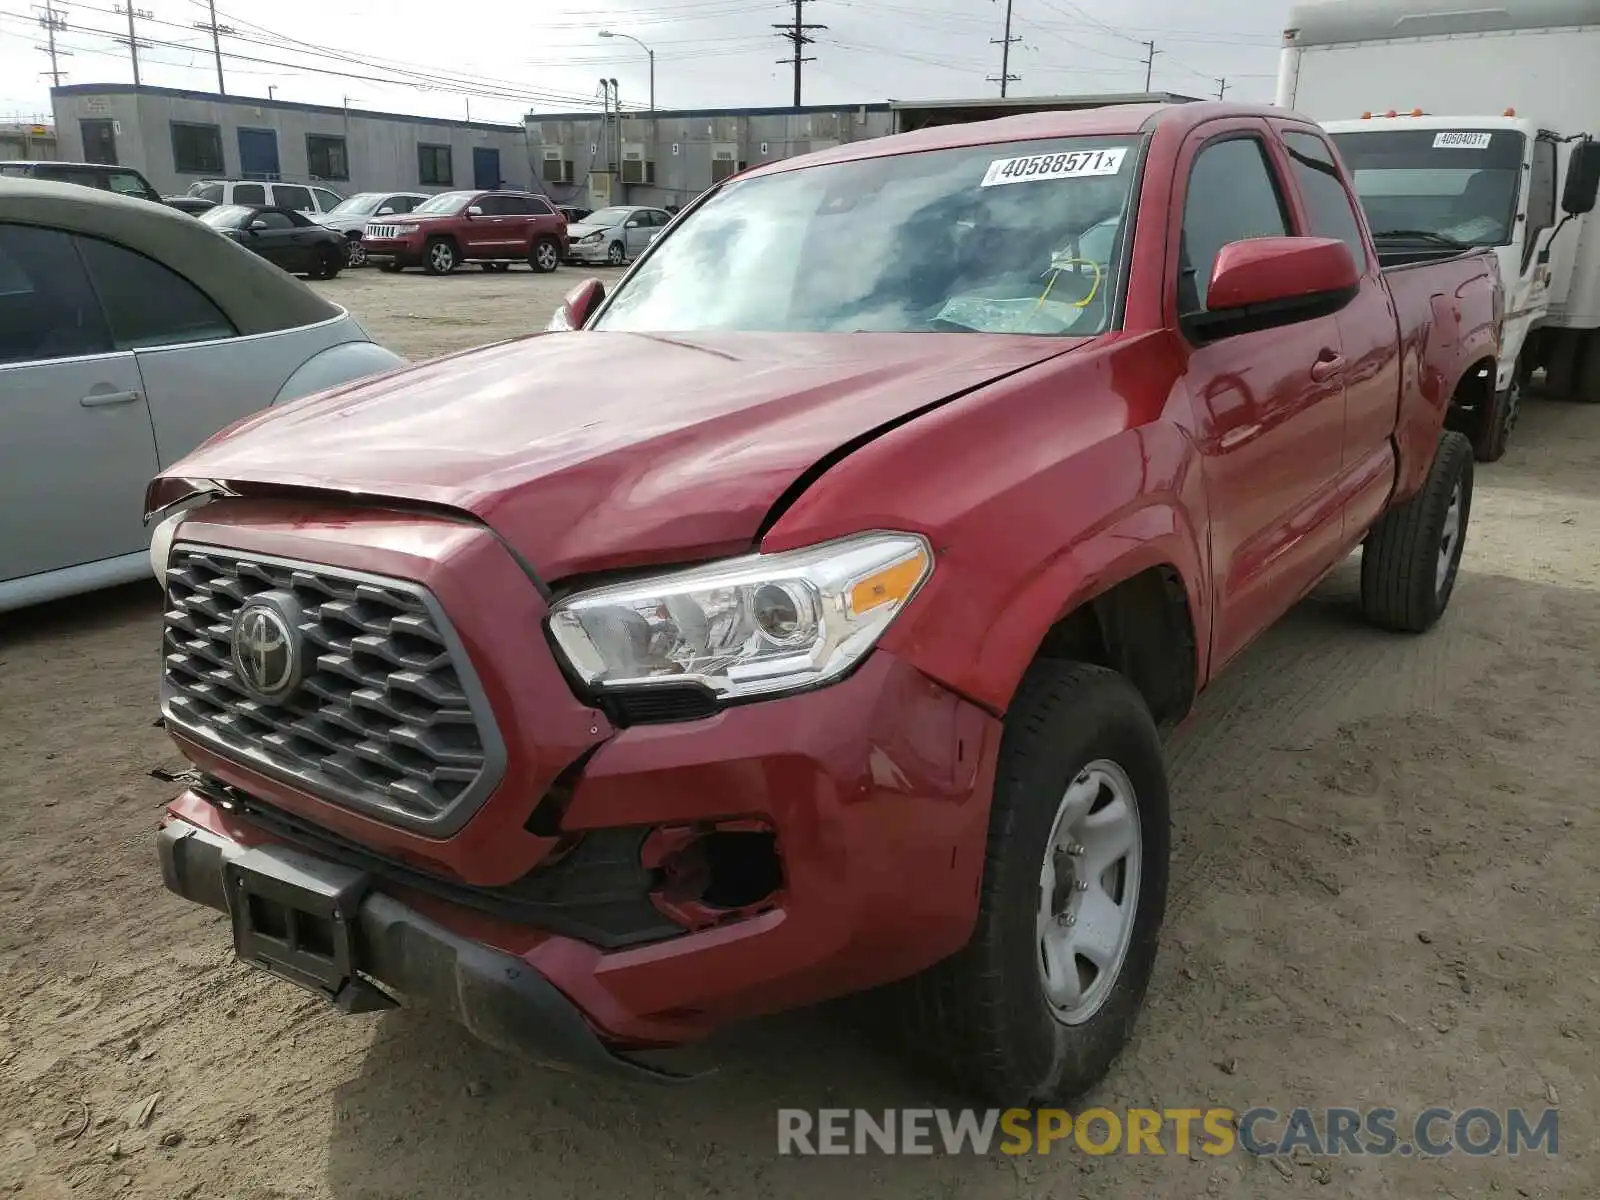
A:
(1461, 140)
(1072, 164)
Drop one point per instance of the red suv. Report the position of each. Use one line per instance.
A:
(492, 228)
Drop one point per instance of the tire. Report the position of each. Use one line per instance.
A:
(1586, 373)
(616, 254)
(440, 257)
(328, 264)
(356, 256)
(1497, 422)
(1411, 557)
(545, 256)
(986, 1014)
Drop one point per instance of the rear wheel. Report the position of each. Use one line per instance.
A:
(1586, 373)
(1041, 1001)
(440, 257)
(329, 260)
(1411, 557)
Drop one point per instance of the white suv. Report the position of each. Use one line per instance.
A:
(301, 197)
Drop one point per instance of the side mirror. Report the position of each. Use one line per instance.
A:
(1583, 179)
(1265, 282)
(475, 210)
(578, 306)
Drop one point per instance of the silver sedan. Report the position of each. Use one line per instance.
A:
(614, 235)
(129, 334)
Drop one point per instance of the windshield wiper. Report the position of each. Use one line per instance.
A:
(1423, 235)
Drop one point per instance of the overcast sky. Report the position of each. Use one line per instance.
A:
(513, 56)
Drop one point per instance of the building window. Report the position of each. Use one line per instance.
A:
(326, 157)
(433, 166)
(99, 141)
(196, 149)
(635, 167)
(722, 166)
(556, 168)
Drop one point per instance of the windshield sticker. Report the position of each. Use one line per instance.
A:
(1454, 140)
(1073, 164)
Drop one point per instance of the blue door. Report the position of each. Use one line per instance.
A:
(258, 153)
(485, 167)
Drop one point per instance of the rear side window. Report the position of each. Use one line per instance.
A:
(47, 308)
(1332, 214)
(536, 205)
(326, 198)
(126, 183)
(249, 193)
(146, 304)
(289, 196)
(1233, 196)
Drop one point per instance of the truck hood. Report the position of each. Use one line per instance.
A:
(590, 451)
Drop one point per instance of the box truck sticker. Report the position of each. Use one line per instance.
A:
(1072, 164)
(1452, 140)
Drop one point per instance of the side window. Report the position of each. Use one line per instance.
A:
(47, 308)
(273, 220)
(401, 204)
(539, 207)
(326, 199)
(147, 305)
(515, 206)
(1233, 196)
(125, 183)
(249, 193)
(661, 218)
(1332, 214)
(287, 195)
(490, 206)
(1541, 195)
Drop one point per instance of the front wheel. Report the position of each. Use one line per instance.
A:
(545, 256)
(356, 256)
(440, 258)
(616, 255)
(1497, 422)
(1041, 1001)
(1411, 557)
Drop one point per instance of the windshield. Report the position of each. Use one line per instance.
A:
(447, 203)
(226, 216)
(358, 205)
(1017, 238)
(608, 216)
(1456, 184)
(207, 191)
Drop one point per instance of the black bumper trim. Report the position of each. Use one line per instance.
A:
(500, 999)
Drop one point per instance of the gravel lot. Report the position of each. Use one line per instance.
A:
(1384, 894)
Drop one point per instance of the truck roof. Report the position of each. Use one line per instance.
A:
(1112, 120)
(1386, 20)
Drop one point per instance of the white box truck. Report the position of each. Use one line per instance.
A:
(1459, 123)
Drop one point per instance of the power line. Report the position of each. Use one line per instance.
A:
(800, 34)
(1005, 77)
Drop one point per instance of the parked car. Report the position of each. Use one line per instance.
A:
(124, 181)
(282, 236)
(573, 213)
(301, 197)
(495, 229)
(614, 235)
(193, 205)
(827, 649)
(350, 218)
(130, 333)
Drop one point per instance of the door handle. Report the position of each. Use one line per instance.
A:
(1327, 367)
(110, 399)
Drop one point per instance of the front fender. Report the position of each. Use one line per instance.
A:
(337, 365)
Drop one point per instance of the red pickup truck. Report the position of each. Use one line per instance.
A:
(824, 645)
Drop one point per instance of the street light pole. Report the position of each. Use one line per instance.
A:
(606, 33)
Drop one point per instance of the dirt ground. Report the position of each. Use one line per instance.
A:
(1385, 893)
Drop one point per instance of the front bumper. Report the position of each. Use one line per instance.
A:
(498, 998)
(385, 250)
(589, 252)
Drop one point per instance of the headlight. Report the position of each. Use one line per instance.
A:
(749, 626)
(593, 237)
(161, 538)
(402, 230)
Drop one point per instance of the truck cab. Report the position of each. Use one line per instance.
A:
(1434, 185)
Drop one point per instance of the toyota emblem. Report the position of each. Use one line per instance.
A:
(266, 650)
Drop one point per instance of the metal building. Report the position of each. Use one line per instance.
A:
(27, 140)
(670, 157)
(177, 137)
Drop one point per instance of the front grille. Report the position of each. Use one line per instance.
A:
(387, 717)
(381, 231)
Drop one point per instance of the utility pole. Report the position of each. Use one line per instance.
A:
(1005, 44)
(132, 40)
(1222, 87)
(216, 32)
(50, 21)
(1149, 64)
(799, 34)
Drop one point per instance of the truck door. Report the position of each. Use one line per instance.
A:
(1269, 404)
(1367, 330)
